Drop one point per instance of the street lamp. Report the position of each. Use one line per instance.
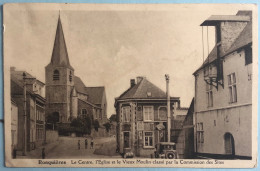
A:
(167, 78)
(25, 116)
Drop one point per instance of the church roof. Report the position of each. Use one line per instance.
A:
(59, 53)
(79, 85)
(95, 94)
(141, 91)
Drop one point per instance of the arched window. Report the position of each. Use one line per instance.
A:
(70, 76)
(56, 75)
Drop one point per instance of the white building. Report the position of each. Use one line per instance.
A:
(14, 124)
(223, 91)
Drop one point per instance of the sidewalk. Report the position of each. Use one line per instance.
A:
(37, 153)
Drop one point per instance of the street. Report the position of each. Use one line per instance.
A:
(67, 148)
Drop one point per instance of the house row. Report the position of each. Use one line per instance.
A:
(218, 123)
(27, 111)
(62, 98)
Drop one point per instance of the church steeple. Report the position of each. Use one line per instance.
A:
(59, 53)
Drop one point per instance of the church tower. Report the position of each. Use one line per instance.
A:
(59, 76)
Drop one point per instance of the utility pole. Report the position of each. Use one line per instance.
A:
(25, 116)
(167, 77)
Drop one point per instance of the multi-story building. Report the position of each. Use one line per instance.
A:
(67, 97)
(223, 90)
(14, 124)
(31, 132)
(141, 113)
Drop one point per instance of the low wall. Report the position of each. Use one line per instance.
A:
(100, 133)
(51, 136)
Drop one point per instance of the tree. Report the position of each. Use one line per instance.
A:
(81, 125)
(112, 118)
(96, 125)
(107, 126)
(53, 119)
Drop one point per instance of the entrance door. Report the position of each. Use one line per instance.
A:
(162, 136)
(126, 139)
(229, 144)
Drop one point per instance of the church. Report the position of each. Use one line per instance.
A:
(67, 97)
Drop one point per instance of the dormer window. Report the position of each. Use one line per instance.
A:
(56, 75)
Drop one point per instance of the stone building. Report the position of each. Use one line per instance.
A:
(185, 140)
(35, 109)
(141, 113)
(223, 90)
(67, 97)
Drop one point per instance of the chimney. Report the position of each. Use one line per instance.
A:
(139, 79)
(132, 82)
(12, 69)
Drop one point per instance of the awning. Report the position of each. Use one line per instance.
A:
(214, 19)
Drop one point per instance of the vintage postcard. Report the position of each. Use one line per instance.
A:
(130, 85)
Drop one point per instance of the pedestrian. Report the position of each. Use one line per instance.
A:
(92, 143)
(86, 143)
(79, 144)
(43, 153)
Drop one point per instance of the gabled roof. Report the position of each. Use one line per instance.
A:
(91, 104)
(141, 89)
(19, 76)
(244, 39)
(79, 85)
(95, 94)
(59, 53)
(19, 82)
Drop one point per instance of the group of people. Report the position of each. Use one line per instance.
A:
(86, 144)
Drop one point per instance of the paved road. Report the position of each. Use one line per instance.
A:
(67, 148)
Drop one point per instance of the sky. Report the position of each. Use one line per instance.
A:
(110, 44)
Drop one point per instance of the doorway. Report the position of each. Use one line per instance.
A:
(229, 144)
(126, 139)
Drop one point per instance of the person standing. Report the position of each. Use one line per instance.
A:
(92, 143)
(86, 143)
(78, 144)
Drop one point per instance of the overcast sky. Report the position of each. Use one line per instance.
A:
(110, 44)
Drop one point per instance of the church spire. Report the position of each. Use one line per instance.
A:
(59, 53)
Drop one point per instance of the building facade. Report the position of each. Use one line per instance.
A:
(14, 124)
(223, 90)
(141, 113)
(31, 133)
(67, 97)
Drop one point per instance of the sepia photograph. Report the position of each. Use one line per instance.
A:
(130, 85)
